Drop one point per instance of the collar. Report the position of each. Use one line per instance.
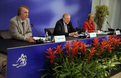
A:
(20, 20)
(89, 22)
(64, 23)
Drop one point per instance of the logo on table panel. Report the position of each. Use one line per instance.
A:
(22, 61)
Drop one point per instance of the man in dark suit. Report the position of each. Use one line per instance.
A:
(64, 26)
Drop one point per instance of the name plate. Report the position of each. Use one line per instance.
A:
(118, 32)
(60, 38)
(93, 34)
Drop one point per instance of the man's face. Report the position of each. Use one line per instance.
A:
(24, 13)
(66, 19)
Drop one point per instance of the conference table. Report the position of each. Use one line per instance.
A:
(12, 43)
(24, 59)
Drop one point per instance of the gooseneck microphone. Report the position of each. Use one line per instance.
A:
(35, 30)
(108, 24)
(79, 24)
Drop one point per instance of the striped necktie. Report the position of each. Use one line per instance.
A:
(23, 25)
(66, 28)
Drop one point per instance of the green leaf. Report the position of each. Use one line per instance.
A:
(44, 75)
(57, 67)
(41, 69)
(64, 75)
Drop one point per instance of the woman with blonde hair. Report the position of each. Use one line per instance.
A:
(89, 25)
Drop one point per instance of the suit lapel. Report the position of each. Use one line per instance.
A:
(25, 26)
(20, 26)
(63, 29)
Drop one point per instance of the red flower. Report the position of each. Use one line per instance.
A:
(91, 53)
(80, 44)
(81, 49)
(110, 37)
(75, 46)
(96, 42)
(59, 50)
(51, 55)
(73, 52)
(110, 40)
(102, 46)
(68, 47)
(116, 42)
(84, 48)
(115, 36)
(108, 47)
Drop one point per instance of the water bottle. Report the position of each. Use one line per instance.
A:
(46, 36)
(86, 33)
(114, 31)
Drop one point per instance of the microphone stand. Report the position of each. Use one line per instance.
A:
(35, 30)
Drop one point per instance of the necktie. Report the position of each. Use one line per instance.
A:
(23, 25)
(65, 28)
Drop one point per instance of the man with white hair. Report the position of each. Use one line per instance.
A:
(64, 26)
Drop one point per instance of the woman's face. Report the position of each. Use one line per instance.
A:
(92, 18)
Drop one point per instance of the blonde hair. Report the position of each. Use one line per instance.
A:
(89, 15)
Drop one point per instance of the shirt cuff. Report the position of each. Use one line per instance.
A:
(25, 37)
(69, 34)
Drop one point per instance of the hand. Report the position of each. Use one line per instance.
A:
(74, 33)
(30, 39)
(95, 31)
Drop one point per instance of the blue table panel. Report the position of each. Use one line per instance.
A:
(24, 62)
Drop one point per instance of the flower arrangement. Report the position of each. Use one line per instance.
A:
(75, 60)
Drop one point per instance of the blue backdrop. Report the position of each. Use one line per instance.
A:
(45, 13)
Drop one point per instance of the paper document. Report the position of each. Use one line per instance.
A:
(37, 38)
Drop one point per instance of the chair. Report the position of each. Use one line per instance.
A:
(3, 66)
(4, 34)
(49, 30)
(79, 29)
(110, 29)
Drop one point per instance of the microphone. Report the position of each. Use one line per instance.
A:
(108, 24)
(79, 24)
(35, 30)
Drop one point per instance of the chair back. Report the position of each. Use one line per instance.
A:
(79, 29)
(49, 30)
(5, 34)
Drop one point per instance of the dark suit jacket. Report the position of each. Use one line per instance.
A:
(60, 30)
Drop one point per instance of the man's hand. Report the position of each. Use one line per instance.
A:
(30, 39)
(74, 33)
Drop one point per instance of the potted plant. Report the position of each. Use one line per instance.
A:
(101, 12)
(76, 60)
